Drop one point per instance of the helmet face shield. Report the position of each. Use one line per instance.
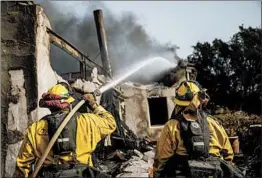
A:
(203, 97)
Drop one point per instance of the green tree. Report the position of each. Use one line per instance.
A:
(231, 71)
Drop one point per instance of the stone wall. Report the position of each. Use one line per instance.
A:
(26, 74)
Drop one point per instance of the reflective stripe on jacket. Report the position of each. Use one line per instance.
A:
(170, 143)
(91, 128)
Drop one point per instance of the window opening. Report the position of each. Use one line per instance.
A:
(158, 111)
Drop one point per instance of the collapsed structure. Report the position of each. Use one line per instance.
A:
(27, 73)
(26, 36)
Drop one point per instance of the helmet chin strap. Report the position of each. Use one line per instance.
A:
(201, 107)
(190, 112)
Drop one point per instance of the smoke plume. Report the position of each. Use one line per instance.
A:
(128, 41)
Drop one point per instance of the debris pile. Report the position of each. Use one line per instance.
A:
(125, 157)
(138, 165)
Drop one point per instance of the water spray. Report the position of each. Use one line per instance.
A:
(133, 69)
(97, 92)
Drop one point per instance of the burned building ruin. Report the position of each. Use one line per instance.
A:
(26, 36)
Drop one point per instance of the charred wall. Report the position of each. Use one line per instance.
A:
(26, 74)
(19, 81)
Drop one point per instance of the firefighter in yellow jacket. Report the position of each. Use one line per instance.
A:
(192, 143)
(76, 142)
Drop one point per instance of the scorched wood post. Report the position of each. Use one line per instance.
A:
(101, 35)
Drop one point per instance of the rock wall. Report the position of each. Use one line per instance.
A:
(26, 74)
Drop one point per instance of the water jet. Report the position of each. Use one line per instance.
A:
(135, 68)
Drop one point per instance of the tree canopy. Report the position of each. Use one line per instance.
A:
(231, 71)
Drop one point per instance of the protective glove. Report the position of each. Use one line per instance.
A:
(91, 101)
(150, 172)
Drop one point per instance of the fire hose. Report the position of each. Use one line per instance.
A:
(57, 133)
(72, 112)
(54, 138)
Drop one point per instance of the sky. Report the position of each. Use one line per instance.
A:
(186, 23)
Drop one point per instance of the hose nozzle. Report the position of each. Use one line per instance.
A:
(97, 92)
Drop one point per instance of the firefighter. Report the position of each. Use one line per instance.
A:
(192, 143)
(75, 144)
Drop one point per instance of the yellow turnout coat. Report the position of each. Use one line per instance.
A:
(91, 128)
(171, 143)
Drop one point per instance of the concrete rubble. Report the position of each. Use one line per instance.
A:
(138, 165)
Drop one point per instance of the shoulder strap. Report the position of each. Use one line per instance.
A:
(184, 131)
(206, 132)
(66, 142)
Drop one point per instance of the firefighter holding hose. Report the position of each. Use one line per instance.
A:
(192, 143)
(72, 151)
